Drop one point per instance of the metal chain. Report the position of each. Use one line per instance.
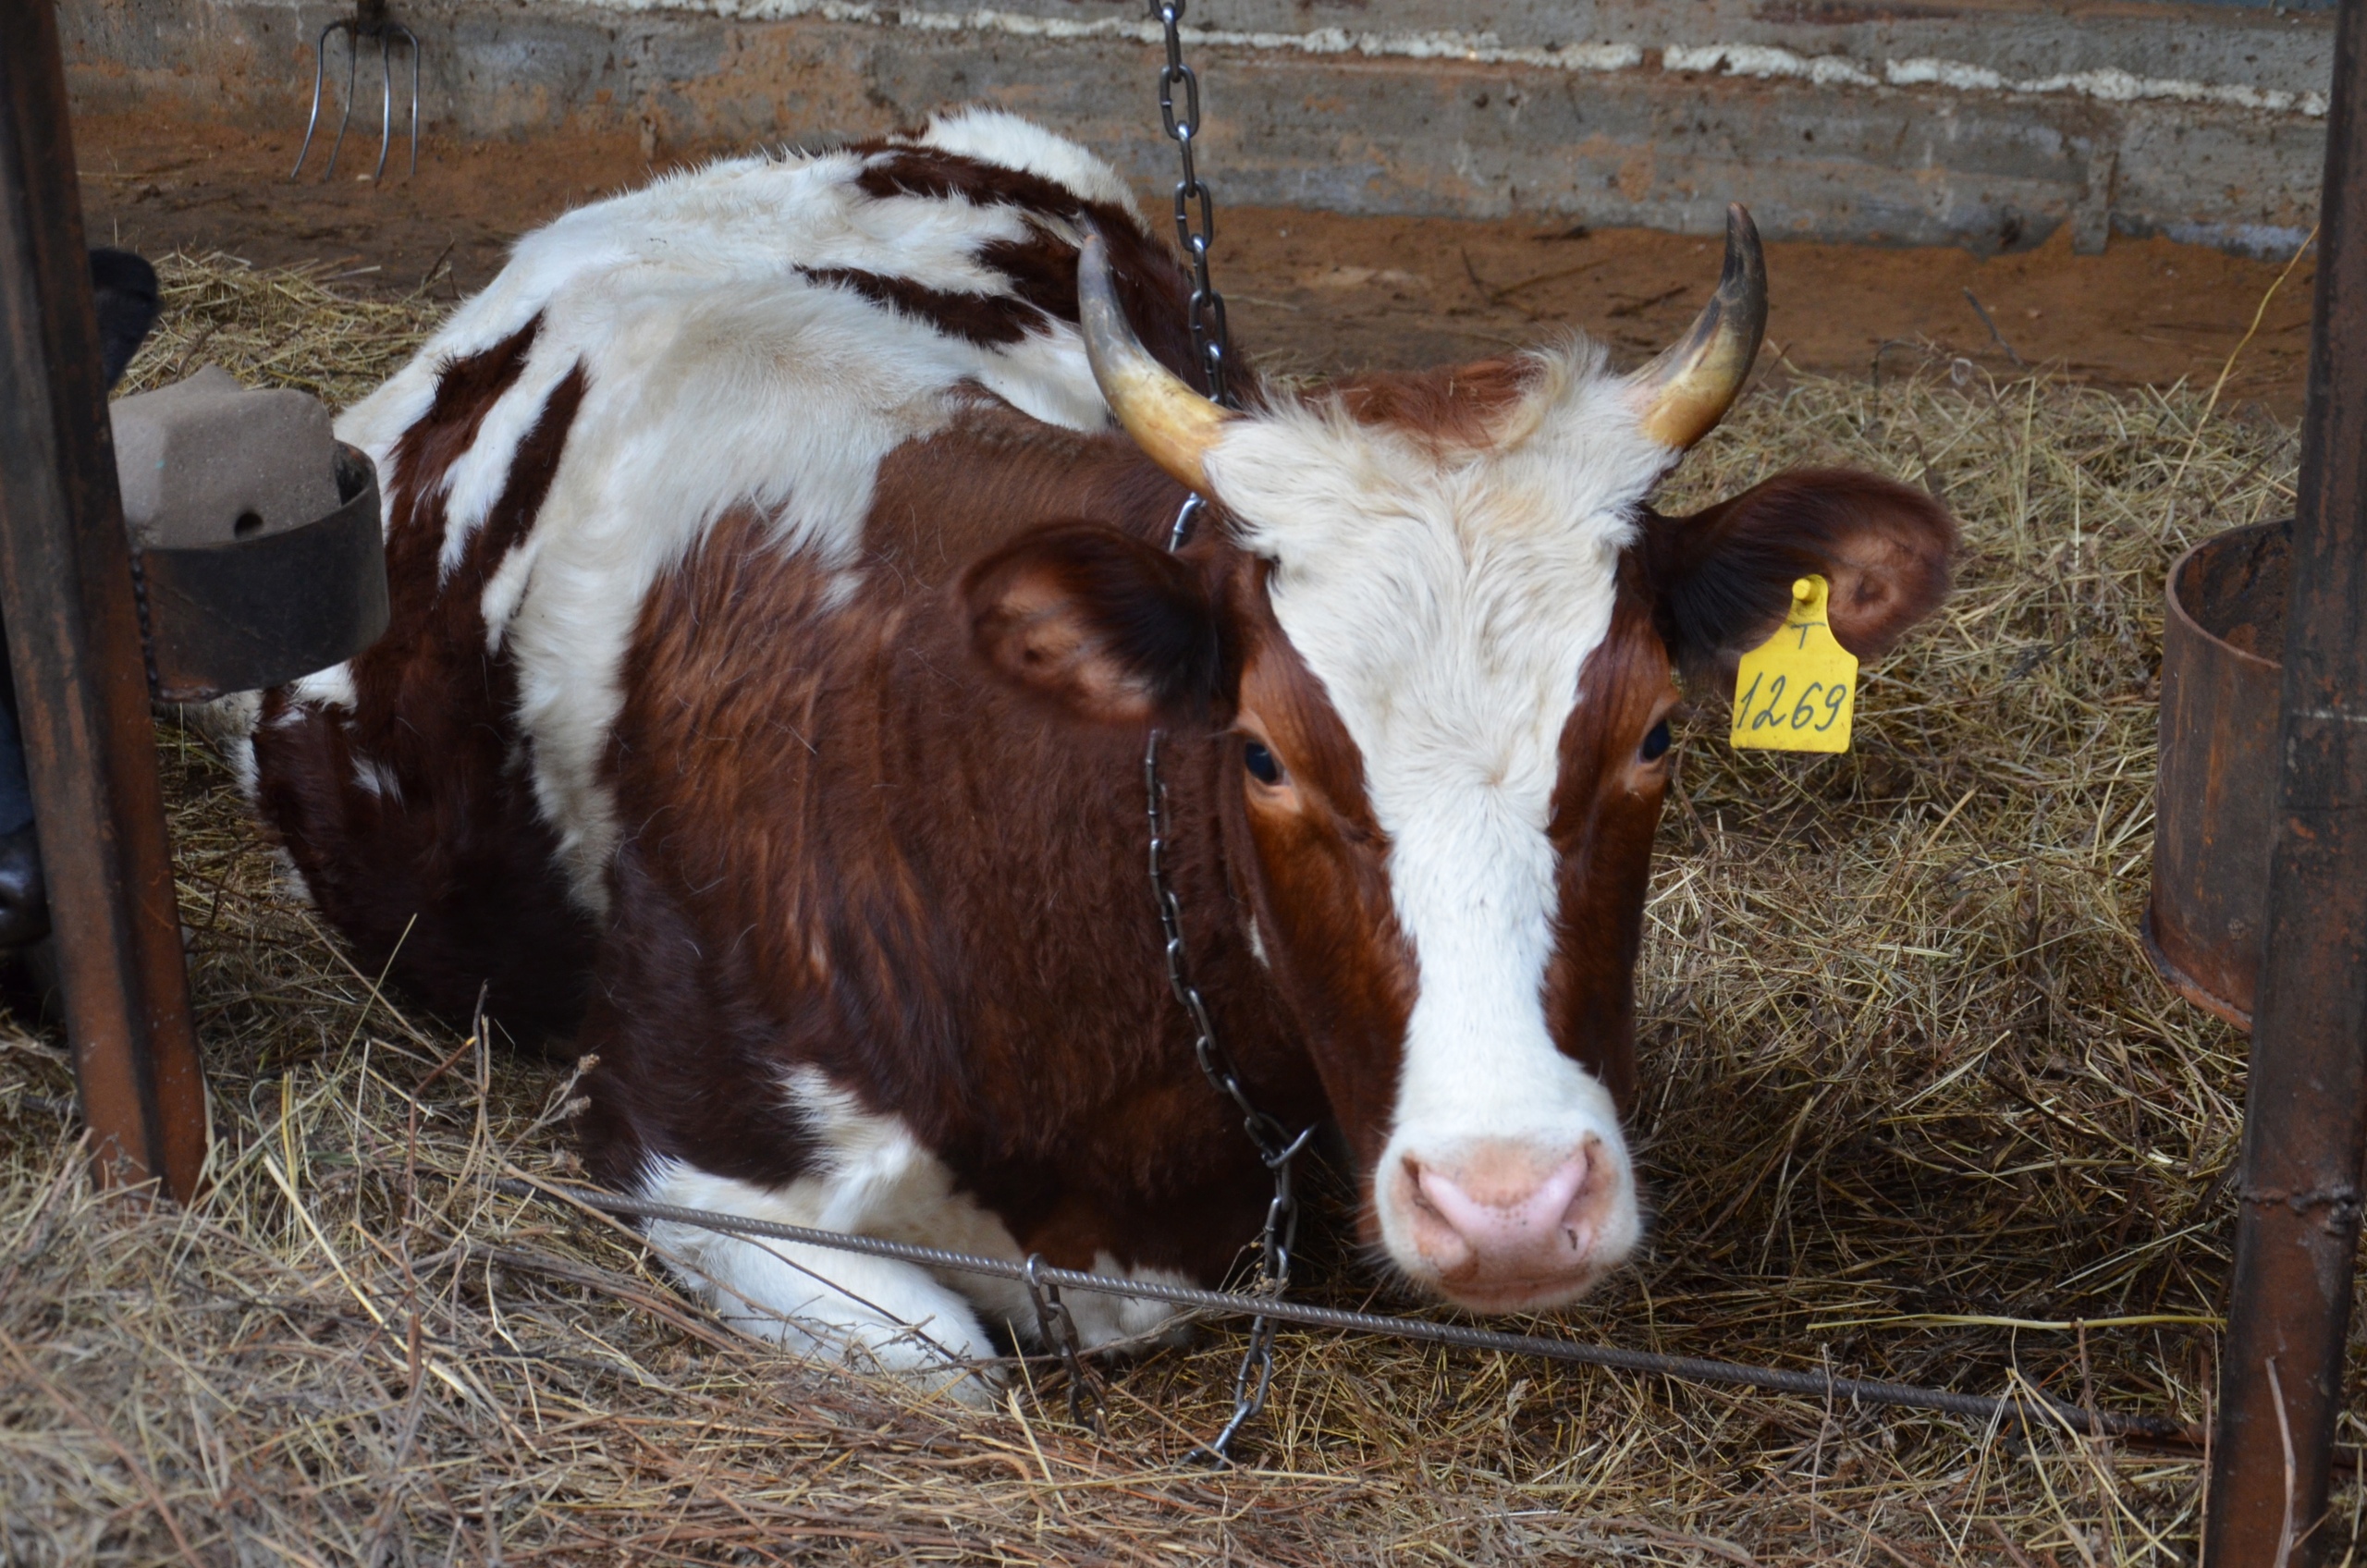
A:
(1195, 208)
(1275, 1147)
(1196, 227)
(147, 631)
(1059, 1331)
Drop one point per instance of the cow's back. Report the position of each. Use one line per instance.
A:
(747, 341)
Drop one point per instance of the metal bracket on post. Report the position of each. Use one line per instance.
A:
(74, 643)
(2305, 1112)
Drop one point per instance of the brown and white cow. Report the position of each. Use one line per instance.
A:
(777, 618)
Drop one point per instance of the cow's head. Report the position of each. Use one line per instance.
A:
(1439, 624)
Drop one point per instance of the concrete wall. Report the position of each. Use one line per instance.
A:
(1987, 123)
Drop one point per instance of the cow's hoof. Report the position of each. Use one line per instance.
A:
(980, 1387)
(24, 898)
(977, 1382)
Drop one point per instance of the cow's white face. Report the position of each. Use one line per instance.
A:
(1437, 623)
(1444, 597)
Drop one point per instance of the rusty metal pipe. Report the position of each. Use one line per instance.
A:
(2305, 1115)
(74, 643)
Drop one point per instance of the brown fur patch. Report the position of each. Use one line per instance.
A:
(1606, 810)
(935, 175)
(1340, 960)
(990, 319)
(1040, 265)
(1461, 407)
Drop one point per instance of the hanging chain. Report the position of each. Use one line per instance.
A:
(1196, 226)
(1195, 208)
(1275, 1145)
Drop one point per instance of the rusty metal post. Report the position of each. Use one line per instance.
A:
(74, 642)
(2305, 1118)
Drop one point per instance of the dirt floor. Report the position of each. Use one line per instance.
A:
(1309, 291)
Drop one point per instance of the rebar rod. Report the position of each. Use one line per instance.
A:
(1694, 1369)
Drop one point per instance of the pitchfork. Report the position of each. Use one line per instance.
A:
(369, 20)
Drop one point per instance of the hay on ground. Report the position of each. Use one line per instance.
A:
(1914, 1104)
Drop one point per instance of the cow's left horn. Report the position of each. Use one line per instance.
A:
(1686, 391)
(1173, 426)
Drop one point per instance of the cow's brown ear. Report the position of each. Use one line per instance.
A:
(1114, 630)
(1725, 575)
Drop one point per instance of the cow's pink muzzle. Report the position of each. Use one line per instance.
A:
(1506, 1228)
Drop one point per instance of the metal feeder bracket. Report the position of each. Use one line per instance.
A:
(245, 614)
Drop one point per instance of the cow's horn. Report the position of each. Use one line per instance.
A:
(1173, 426)
(1688, 388)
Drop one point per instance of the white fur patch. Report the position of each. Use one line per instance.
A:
(377, 780)
(993, 137)
(873, 1177)
(1447, 604)
(229, 725)
(331, 688)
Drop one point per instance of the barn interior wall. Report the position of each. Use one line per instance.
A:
(1986, 123)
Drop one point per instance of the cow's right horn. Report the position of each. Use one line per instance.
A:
(1173, 426)
(1686, 390)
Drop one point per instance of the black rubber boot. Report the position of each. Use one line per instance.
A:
(24, 901)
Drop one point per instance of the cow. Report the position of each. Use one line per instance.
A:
(782, 592)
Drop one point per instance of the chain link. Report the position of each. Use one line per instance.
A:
(1059, 1331)
(1195, 206)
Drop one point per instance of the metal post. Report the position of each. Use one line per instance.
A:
(74, 641)
(2305, 1119)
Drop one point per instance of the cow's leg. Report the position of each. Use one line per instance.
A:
(833, 1305)
(1106, 1322)
(838, 1306)
(1102, 1322)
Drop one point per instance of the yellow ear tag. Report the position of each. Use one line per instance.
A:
(1797, 691)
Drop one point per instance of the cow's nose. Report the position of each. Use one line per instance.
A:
(1502, 1225)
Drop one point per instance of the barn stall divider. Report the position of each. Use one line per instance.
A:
(70, 600)
(75, 644)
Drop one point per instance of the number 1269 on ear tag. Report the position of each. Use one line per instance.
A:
(1797, 691)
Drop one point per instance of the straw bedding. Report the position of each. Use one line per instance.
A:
(1914, 1105)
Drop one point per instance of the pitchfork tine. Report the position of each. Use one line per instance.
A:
(386, 106)
(320, 70)
(412, 39)
(352, 75)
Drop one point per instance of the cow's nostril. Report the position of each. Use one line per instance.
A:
(1435, 1234)
(1412, 1178)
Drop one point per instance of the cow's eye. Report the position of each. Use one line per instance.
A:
(1656, 743)
(1261, 763)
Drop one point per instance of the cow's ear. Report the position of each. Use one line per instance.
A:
(1110, 628)
(1725, 575)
